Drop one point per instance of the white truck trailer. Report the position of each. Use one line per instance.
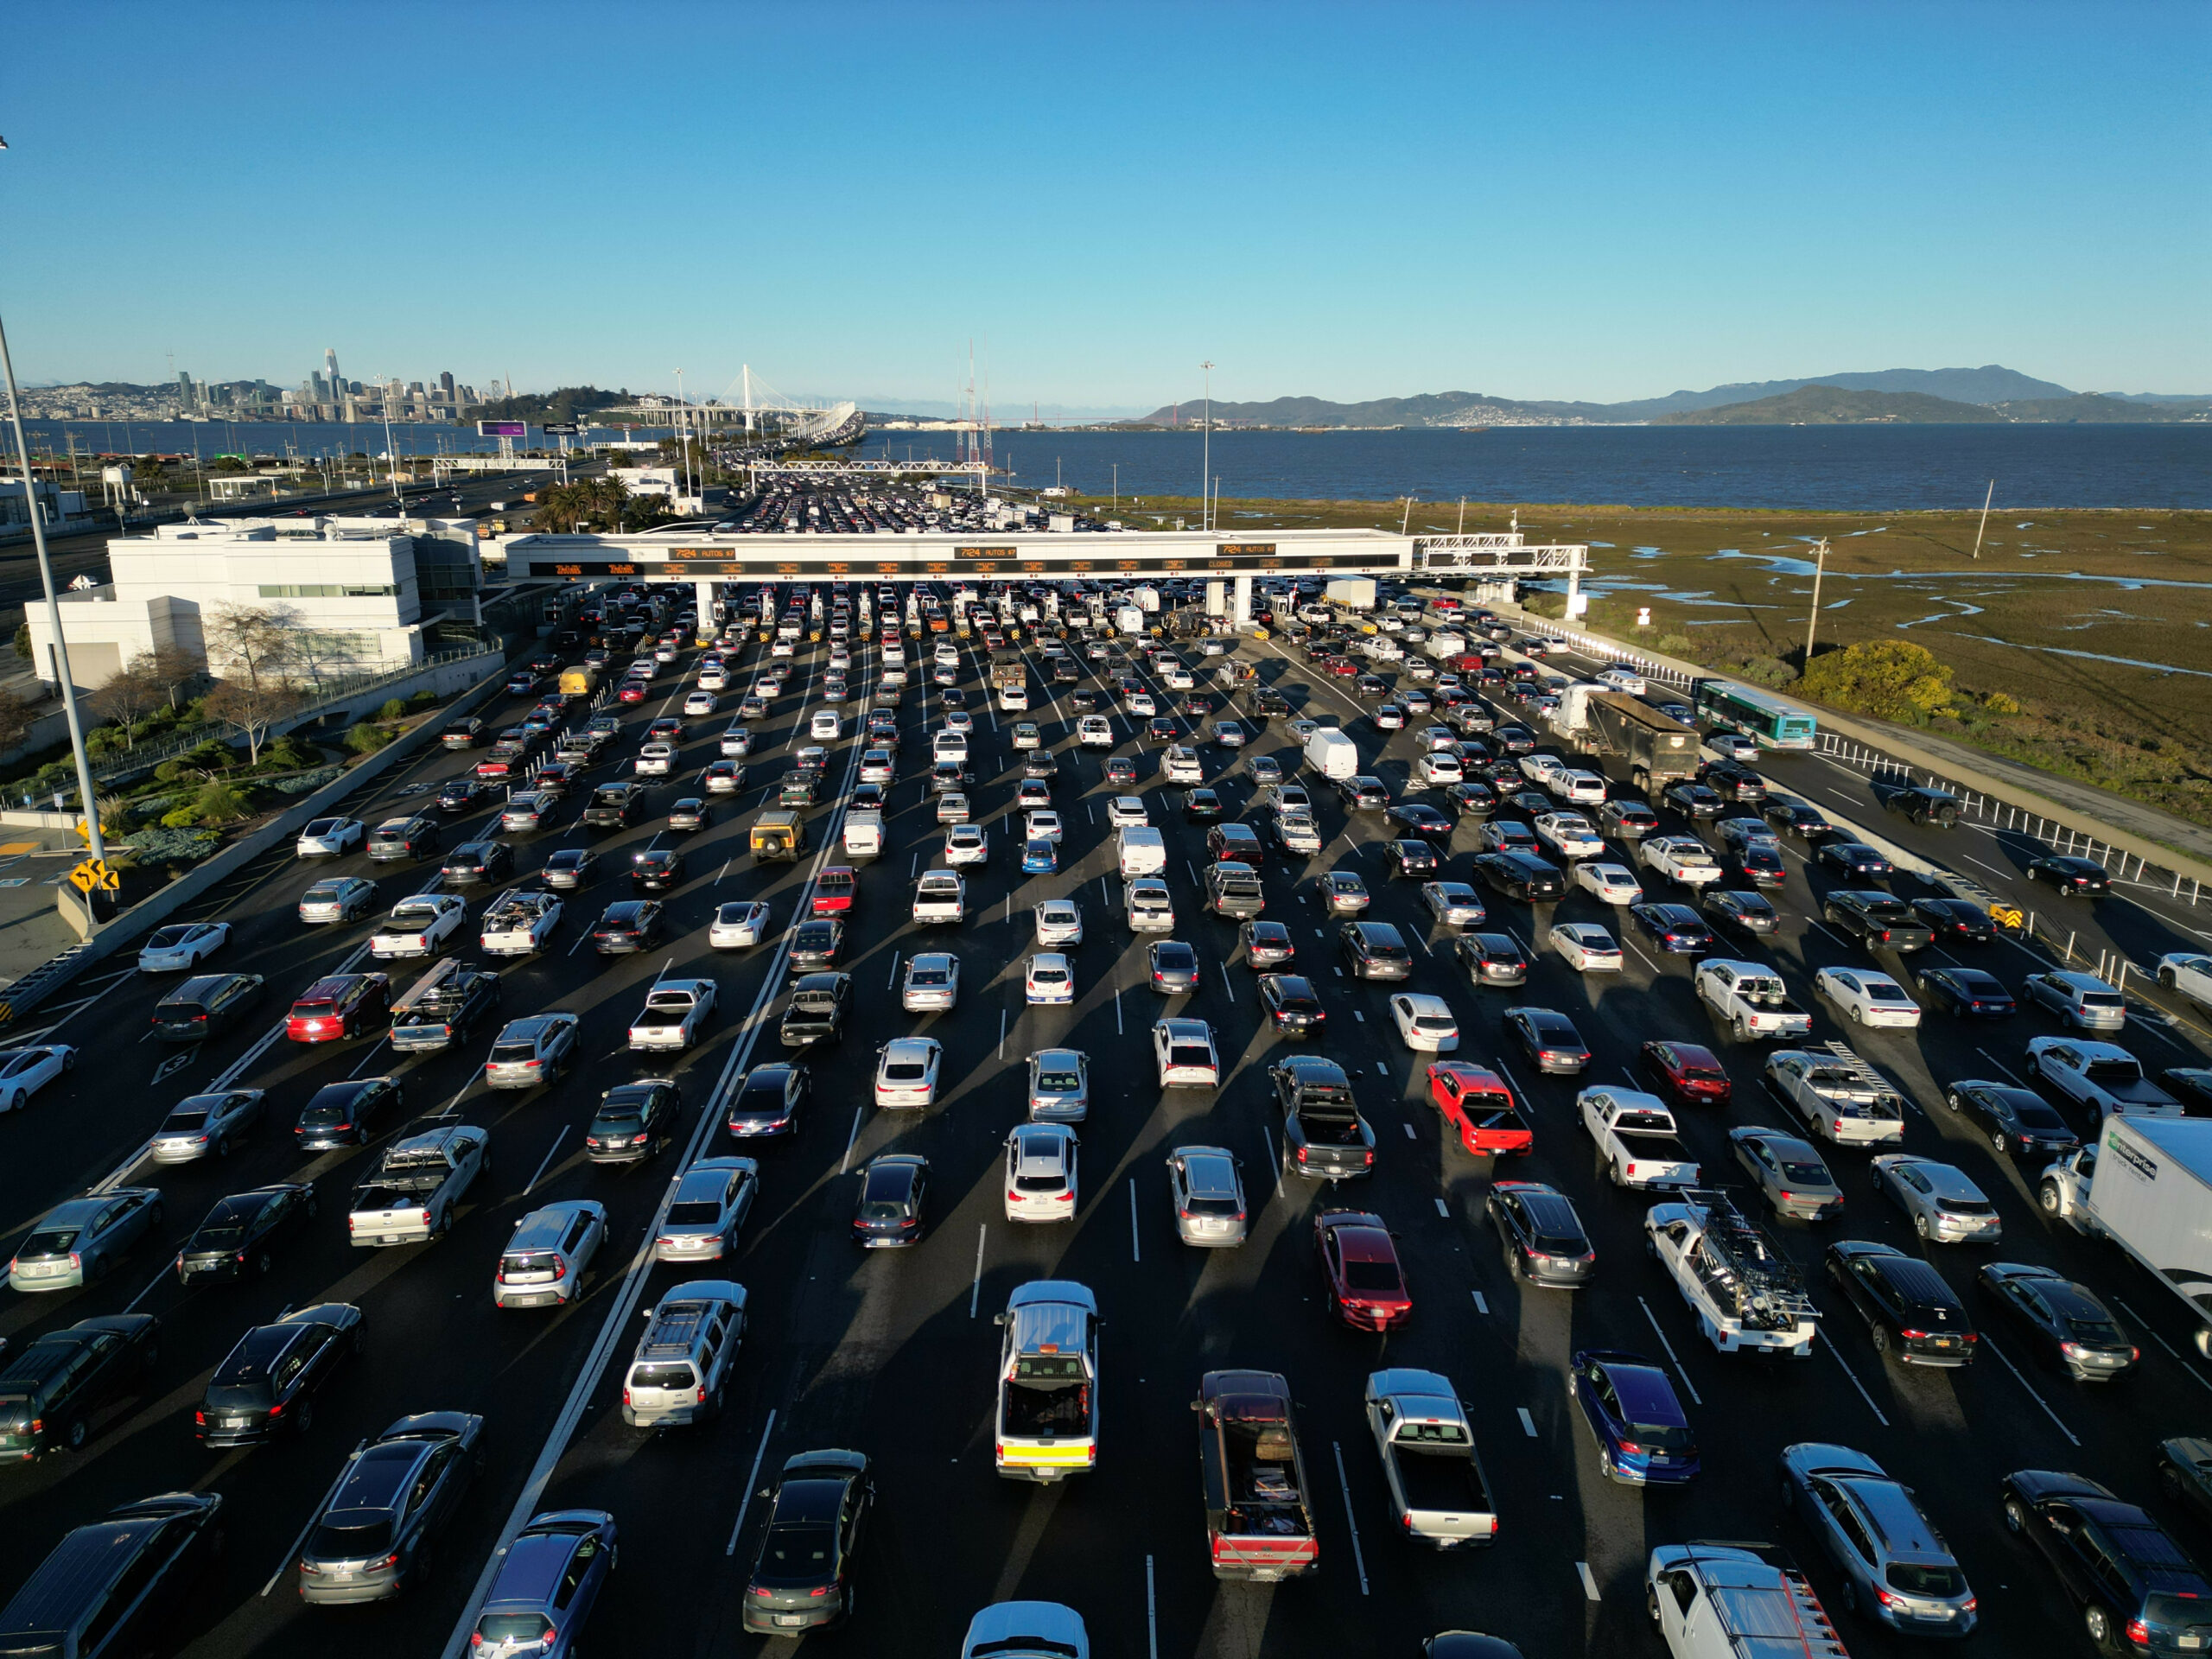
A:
(2146, 1183)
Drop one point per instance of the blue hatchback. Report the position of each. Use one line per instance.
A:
(1644, 1438)
(1039, 857)
(548, 1581)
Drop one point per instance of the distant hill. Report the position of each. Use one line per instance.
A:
(1429, 409)
(1835, 406)
(2103, 409)
(1987, 384)
(563, 404)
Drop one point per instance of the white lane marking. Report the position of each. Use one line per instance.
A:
(1514, 1083)
(1151, 1611)
(845, 1163)
(1992, 868)
(2194, 1375)
(975, 1290)
(1274, 1162)
(1993, 1348)
(1528, 1423)
(1226, 983)
(366, 1058)
(548, 1158)
(1856, 1384)
(1482, 1305)
(1443, 1209)
(315, 1515)
(1343, 1484)
(1136, 1251)
(895, 954)
(2000, 1065)
(745, 1498)
(1357, 1015)
(1589, 1583)
(1382, 1068)
(148, 1291)
(1408, 1128)
(1118, 1007)
(1669, 1347)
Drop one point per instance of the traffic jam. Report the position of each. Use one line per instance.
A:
(828, 1098)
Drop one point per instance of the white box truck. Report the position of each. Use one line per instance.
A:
(1332, 754)
(1356, 592)
(2146, 1183)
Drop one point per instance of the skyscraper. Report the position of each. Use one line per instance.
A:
(445, 385)
(330, 365)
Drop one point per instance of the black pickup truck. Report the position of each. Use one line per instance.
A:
(1324, 1136)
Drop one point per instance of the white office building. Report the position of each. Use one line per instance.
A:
(358, 590)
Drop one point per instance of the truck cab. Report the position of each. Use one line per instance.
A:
(1047, 1420)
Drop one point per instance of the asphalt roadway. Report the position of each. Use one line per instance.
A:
(893, 1353)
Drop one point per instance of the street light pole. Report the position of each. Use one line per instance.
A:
(1820, 564)
(52, 611)
(1206, 452)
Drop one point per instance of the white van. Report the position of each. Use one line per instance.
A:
(1142, 851)
(1015, 699)
(949, 745)
(1331, 753)
(863, 834)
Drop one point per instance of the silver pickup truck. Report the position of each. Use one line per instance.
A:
(418, 1186)
(1436, 1489)
(676, 1012)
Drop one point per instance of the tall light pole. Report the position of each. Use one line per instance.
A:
(53, 606)
(1205, 453)
(1820, 564)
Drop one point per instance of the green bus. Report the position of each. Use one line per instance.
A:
(1768, 720)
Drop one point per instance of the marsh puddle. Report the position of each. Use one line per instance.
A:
(2095, 656)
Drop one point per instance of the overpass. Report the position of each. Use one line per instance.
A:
(709, 559)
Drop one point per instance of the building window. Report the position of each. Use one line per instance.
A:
(326, 590)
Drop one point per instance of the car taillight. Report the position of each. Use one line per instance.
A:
(1631, 1448)
(908, 1221)
(276, 1411)
(1301, 1154)
(1912, 1336)
(2139, 1632)
(200, 1418)
(423, 1215)
(1885, 1597)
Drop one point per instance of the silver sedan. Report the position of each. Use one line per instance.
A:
(200, 1124)
(932, 982)
(709, 1210)
(1207, 1193)
(1789, 1171)
(1946, 1207)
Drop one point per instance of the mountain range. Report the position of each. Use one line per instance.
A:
(1991, 393)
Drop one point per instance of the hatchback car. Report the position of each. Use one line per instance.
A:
(2081, 1001)
(338, 899)
(1173, 967)
(1898, 1570)
(535, 1049)
(769, 1103)
(1549, 1039)
(1360, 1270)
(1788, 1171)
(634, 1120)
(1425, 1024)
(708, 1211)
(78, 1242)
(551, 1575)
(1375, 950)
(1060, 1085)
(396, 1494)
(1909, 1308)
(1205, 1189)
(1643, 1433)
(1266, 944)
(1343, 893)
(266, 1386)
(889, 1212)
(1686, 1074)
(1491, 958)
(1050, 978)
(546, 1254)
(1040, 1172)
(1544, 1240)
(1674, 928)
(1453, 904)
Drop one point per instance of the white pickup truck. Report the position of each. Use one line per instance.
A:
(1735, 1601)
(1838, 1095)
(1148, 905)
(941, 898)
(1752, 998)
(419, 925)
(418, 1184)
(676, 1012)
(1746, 1296)
(1438, 1494)
(519, 924)
(2102, 1078)
(1683, 859)
(1636, 1136)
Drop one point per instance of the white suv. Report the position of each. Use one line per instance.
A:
(1040, 1172)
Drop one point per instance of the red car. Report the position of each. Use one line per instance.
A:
(1343, 667)
(630, 691)
(1476, 1101)
(1360, 1261)
(1689, 1074)
(339, 1005)
(834, 889)
(494, 768)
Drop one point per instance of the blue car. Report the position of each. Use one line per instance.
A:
(1644, 1438)
(548, 1581)
(1039, 857)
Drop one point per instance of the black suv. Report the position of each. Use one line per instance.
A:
(1415, 859)
(1375, 950)
(2131, 1580)
(1908, 1307)
(1363, 794)
(477, 861)
(1733, 781)
(50, 1392)
(615, 806)
(266, 1385)
(1932, 806)
(1520, 876)
(115, 1586)
(632, 924)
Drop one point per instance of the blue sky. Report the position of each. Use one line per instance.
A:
(1581, 200)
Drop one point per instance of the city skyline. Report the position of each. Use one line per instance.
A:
(1601, 205)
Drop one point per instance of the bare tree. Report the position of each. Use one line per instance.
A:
(16, 719)
(134, 693)
(179, 671)
(251, 644)
(250, 710)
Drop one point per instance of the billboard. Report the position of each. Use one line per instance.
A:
(560, 429)
(502, 428)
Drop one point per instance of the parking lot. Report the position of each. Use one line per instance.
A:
(893, 1353)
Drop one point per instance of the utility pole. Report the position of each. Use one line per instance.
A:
(1462, 515)
(1987, 497)
(1820, 564)
(1205, 455)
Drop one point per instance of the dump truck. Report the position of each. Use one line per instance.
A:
(1659, 751)
(1047, 1421)
(1259, 1526)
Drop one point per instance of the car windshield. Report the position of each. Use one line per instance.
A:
(168, 939)
(694, 1212)
(56, 1241)
(1371, 1275)
(797, 1551)
(1925, 1579)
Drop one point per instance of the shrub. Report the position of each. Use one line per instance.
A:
(1674, 645)
(424, 698)
(392, 710)
(183, 818)
(1766, 671)
(23, 641)
(222, 802)
(1891, 679)
(1997, 703)
(365, 739)
(173, 844)
(170, 771)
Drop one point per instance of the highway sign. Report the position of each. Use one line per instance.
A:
(91, 873)
(502, 428)
(562, 428)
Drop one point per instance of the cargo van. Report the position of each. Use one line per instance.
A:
(1141, 851)
(863, 834)
(1332, 754)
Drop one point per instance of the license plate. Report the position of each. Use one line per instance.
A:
(392, 1238)
(2188, 1640)
(790, 1618)
(231, 1423)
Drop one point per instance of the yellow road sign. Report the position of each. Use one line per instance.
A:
(91, 873)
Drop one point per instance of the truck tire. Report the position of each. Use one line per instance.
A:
(2053, 1204)
(1743, 1029)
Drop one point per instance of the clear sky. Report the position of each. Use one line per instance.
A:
(1346, 200)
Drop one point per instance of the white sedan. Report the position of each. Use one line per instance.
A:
(1623, 678)
(1050, 978)
(1454, 903)
(1041, 826)
(1139, 702)
(183, 946)
(1569, 833)
(738, 926)
(1059, 921)
(1870, 999)
(1542, 768)
(1610, 884)
(1425, 1023)
(421, 926)
(906, 1071)
(329, 837)
(1126, 812)
(701, 701)
(1585, 947)
(1734, 744)
(967, 844)
(24, 1072)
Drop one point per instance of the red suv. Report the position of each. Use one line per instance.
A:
(340, 1006)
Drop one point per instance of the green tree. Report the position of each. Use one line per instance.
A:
(23, 641)
(1891, 679)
